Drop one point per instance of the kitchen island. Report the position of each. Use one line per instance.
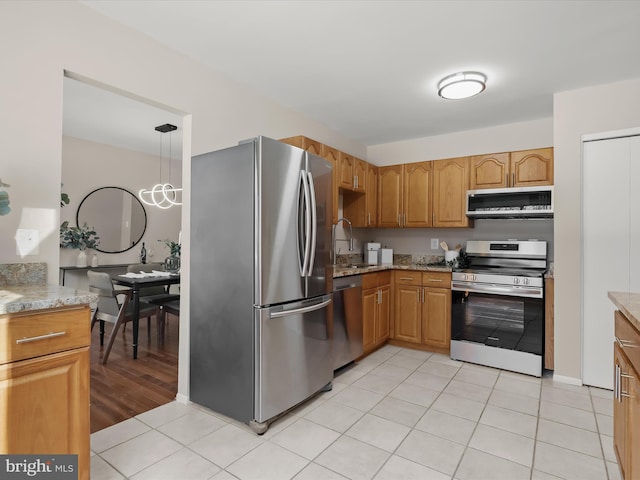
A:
(626, 383)
(44, 372)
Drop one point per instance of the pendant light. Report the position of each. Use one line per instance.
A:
(162, 195)
(462, 85)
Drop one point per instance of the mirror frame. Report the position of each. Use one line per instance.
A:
(146, 220)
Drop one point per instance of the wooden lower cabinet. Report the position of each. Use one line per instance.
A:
(44, 399)
(626, 402)
(548, 323)
(376, 309)
(422, 313)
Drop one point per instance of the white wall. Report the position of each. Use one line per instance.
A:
(596, 109)
(502, 138)
(88, 165)
(42, 40)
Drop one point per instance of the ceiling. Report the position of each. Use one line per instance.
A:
(369, 69)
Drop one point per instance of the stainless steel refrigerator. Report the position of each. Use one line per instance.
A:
(260, 270)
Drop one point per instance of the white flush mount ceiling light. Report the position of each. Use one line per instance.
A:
(462, 85)
(162, 195)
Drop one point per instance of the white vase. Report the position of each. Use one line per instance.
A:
(81, 261)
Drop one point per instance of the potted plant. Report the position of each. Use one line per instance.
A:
(172, 262)
(79, 238)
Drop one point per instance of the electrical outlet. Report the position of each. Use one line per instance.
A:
(435, 244)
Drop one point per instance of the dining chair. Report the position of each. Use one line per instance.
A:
(157, 296)
(111, 309)
(172, 307)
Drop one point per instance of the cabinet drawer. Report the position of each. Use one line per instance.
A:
(630, 339)
(436, 279)
(29, 335)
(407, 277)
(384, 278)
(369, 280)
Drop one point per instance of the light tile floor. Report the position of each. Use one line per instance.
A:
(397, 414)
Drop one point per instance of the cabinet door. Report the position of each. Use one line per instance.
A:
(44, 404)
(369, 312)
(371, 198)
(436, 317)
(407, 313)
(489, 171)
(532, 167)
(417, 195)
(332, 155)
(360, 175)
(633, 426)
(389, 196)
(450, 185)
(345, 177)
(620, 411)
(384, 314)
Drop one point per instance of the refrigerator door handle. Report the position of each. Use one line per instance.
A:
(313, 226)
(307, 220)
(295, 311)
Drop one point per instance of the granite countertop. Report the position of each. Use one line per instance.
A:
(345, 271)
(22, 298)
(629, 304)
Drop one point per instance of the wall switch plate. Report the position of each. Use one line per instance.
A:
(435, 244)
(27, 242)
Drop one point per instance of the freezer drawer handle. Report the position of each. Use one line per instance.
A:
(295, 311)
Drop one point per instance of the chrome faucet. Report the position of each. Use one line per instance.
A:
(335, 240)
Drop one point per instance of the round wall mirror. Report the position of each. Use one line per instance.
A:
(117, 216)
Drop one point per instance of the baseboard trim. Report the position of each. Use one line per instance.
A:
(180, 398)
(567, 380)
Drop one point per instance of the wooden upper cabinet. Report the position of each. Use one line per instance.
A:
(345, 172)
(532, 167)
(333, 156)
(371, 197)
(417, 195)
(353, 173)
(526, 168)
(360, 175)
(450, 185)
(489, 171)
(304, 143)
(389, 196)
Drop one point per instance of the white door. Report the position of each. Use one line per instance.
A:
(607, 237)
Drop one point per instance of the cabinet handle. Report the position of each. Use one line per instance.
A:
(368, 218)
(40, 337)
(434, 280)
(513, 179)
(423, 295)
(406, 278)
(379, 297)
(616, 383)
(625, 343)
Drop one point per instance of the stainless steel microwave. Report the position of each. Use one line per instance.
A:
(522, 202)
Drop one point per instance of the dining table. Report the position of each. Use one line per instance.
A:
(136, 284)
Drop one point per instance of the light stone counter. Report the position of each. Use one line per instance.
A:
(629, 304)
(345, 271)
(21, 298)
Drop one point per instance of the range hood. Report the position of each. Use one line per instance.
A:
(523, 202)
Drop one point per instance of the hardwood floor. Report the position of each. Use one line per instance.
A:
(124, 388)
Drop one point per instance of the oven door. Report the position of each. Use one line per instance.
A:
(503, 321)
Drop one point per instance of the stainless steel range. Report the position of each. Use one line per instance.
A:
(497, 314)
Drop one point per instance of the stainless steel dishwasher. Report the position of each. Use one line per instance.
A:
(347, 320)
